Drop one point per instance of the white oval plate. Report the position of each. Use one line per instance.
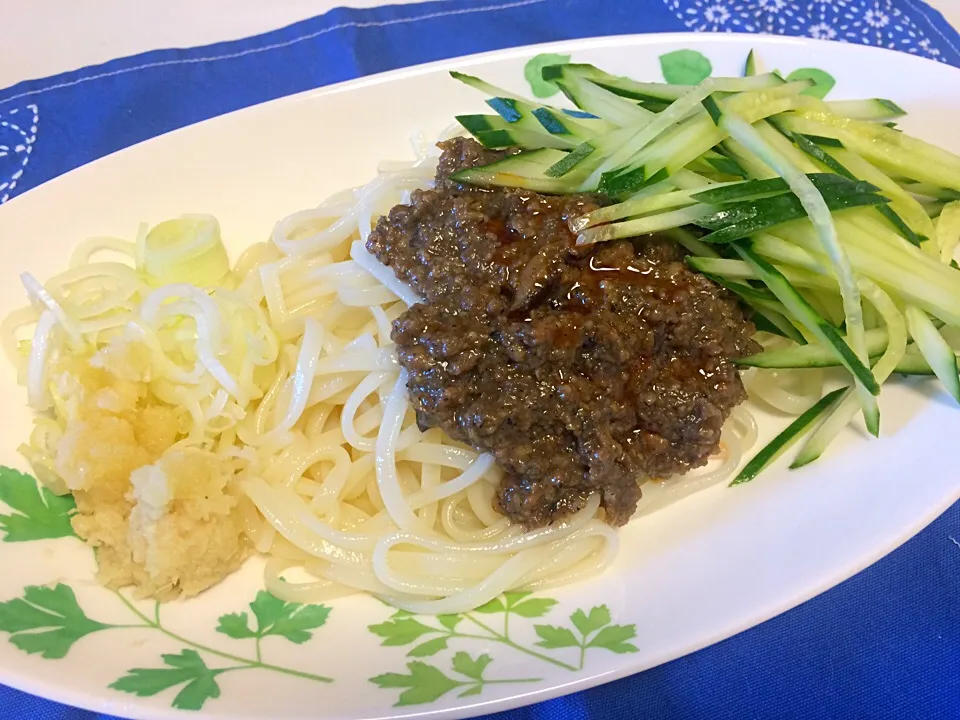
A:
(686, 577)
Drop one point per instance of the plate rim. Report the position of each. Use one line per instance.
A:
(142, 709)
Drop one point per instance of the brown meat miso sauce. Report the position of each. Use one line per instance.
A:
(581, 369)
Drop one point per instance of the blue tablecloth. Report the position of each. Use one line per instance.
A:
(885, 644)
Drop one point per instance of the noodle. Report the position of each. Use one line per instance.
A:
(288, 374)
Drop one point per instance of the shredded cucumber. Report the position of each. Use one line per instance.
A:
(935, 349)
(782, 442)
(948, 231)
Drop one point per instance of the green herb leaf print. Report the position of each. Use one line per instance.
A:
(595, 631)
(186, 668)
(236, 625)
(275, 617)
(514, 602)
(552, 637)
(400, 631)
(424, 683)
(532, 71)
(431, 647)
(586, 624)
(46, 620)
(685, 67)
(466, 665)
(38, 513)
(449, 621)
(614, 638)
(823, 81)
(537, 607)
(491, 608)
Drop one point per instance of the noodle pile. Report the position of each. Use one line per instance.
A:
(282, 400)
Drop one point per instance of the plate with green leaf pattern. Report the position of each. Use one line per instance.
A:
(687, 576)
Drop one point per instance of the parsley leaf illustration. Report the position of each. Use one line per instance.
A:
(424, 683)
(586, 624)
(187, 669)
(532, 71)
(535, 607)
(515, 602)
(466, 665)
(685, 67)
(552, 637)
(400, 631)
(449, 621)
(431, 647)
(46, 621)
(614, 638)
(823, 81)
(294, 621)
(236, 625)
(38, 513)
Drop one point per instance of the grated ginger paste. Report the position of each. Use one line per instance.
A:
(161, 517)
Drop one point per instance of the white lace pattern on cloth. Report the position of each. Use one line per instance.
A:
(868, 22)
(18, 133)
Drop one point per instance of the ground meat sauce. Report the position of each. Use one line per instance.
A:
(582, 369)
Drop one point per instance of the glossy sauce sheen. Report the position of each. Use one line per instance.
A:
(581, 369)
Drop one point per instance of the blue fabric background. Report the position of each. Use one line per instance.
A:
(884, 644)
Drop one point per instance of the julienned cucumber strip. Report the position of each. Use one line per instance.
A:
(599, 101)
(769, 212)
(524, 170)
(591, 153)
(818, 356)
(751, 189)
(640, 204)
(912, 363)
(562, 167)
(683, 143)
(890, 150)
(811, 148)
(894, 355)
(680, 110)
(765, 324)
(765, 305)
(691, 242)
(727, 165)
(801, 310)
(625, 87)
(493, 131)
(811, 356)
(822, 221)
(904, 209)
(515, 110)
(935, 349)
(782, 442)
(948, 231)
(871, 109)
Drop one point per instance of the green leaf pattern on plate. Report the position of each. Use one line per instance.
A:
(49, 620)
(685, 67)
(823, 81)
(37, 514)
(46, 620)
(293, 621)
(187, 669)
(532, 71)
(425, 682)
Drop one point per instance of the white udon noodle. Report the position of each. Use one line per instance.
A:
(344, 493)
